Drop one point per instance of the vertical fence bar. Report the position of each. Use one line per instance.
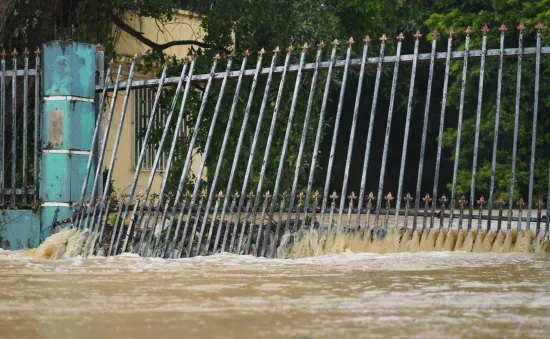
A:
(458, 130)
(245, 220)
(502, 29)
(370, 198)
(443, 201)
(305, 128)
(534, 133)
(352, 134)
(238, 151)
(408, 198)
(320, 126)
(253, 147)
(199, 118)
(521, 27)
(267, 196)
(175, 139)
(119, 131)
(115, 226)
(160, 154)
(143, 152)
(480, 202)
(195, 222)
(283, 151)
(214, 182)
(163, 218)
(36, 124)
(369, 135)
(101, 154)
(186, 164)
(427, 199)
(239, 146)
(333, 197)
(388, 199)
(388, 129)
(268, 149)
(417, 36)
(336, 128)
(269, 139)
(540, 205)
(273, 250)
(212, 126)
(462, 203)
(435, 33)
(521, 204)
(501, 205)
(25, 124)
(224, 145)
(3, 127)
(13, 127)
(478, 123)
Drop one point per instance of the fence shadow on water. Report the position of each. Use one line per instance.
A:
(283, 159)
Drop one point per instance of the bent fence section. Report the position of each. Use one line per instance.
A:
(290, 191)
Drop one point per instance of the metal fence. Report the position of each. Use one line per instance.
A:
(19, 129)
(203, 221)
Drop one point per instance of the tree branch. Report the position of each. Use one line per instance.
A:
(159, 48)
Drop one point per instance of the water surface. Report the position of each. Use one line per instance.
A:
(366, 295)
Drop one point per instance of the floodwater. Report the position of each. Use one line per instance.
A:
(416, 293)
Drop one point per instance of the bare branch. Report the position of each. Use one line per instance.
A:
(159, 48)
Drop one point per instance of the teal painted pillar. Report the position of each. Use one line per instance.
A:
(67, 124)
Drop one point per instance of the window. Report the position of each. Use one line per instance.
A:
(144, 99)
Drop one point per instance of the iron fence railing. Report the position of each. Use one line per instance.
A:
(19, 128)
(210, 219)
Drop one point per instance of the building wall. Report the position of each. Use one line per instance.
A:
(185, 26)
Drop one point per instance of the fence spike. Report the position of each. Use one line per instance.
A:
(451, 32)
(416, 35)
(383, 39)
(485, 29)
(539, 27)
(320, 129)
(3, 54)
(468, 31)
(477, 129)
(521, 27)
(400, 37)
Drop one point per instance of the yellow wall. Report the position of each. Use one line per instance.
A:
(185, 26)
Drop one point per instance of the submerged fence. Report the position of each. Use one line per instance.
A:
(19, 129)
(209, 219)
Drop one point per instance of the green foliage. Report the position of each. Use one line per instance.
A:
(493, 13)
(236, 25)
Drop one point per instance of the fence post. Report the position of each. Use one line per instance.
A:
(67, 124)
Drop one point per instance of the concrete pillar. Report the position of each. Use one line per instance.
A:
(67, 124)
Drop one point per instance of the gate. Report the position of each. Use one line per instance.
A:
(256, 209)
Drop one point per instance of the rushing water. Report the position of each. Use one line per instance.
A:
(414, 293)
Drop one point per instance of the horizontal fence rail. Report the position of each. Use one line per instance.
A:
(266, 129)
(19, 129)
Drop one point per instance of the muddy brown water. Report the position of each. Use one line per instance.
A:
(418, 292)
